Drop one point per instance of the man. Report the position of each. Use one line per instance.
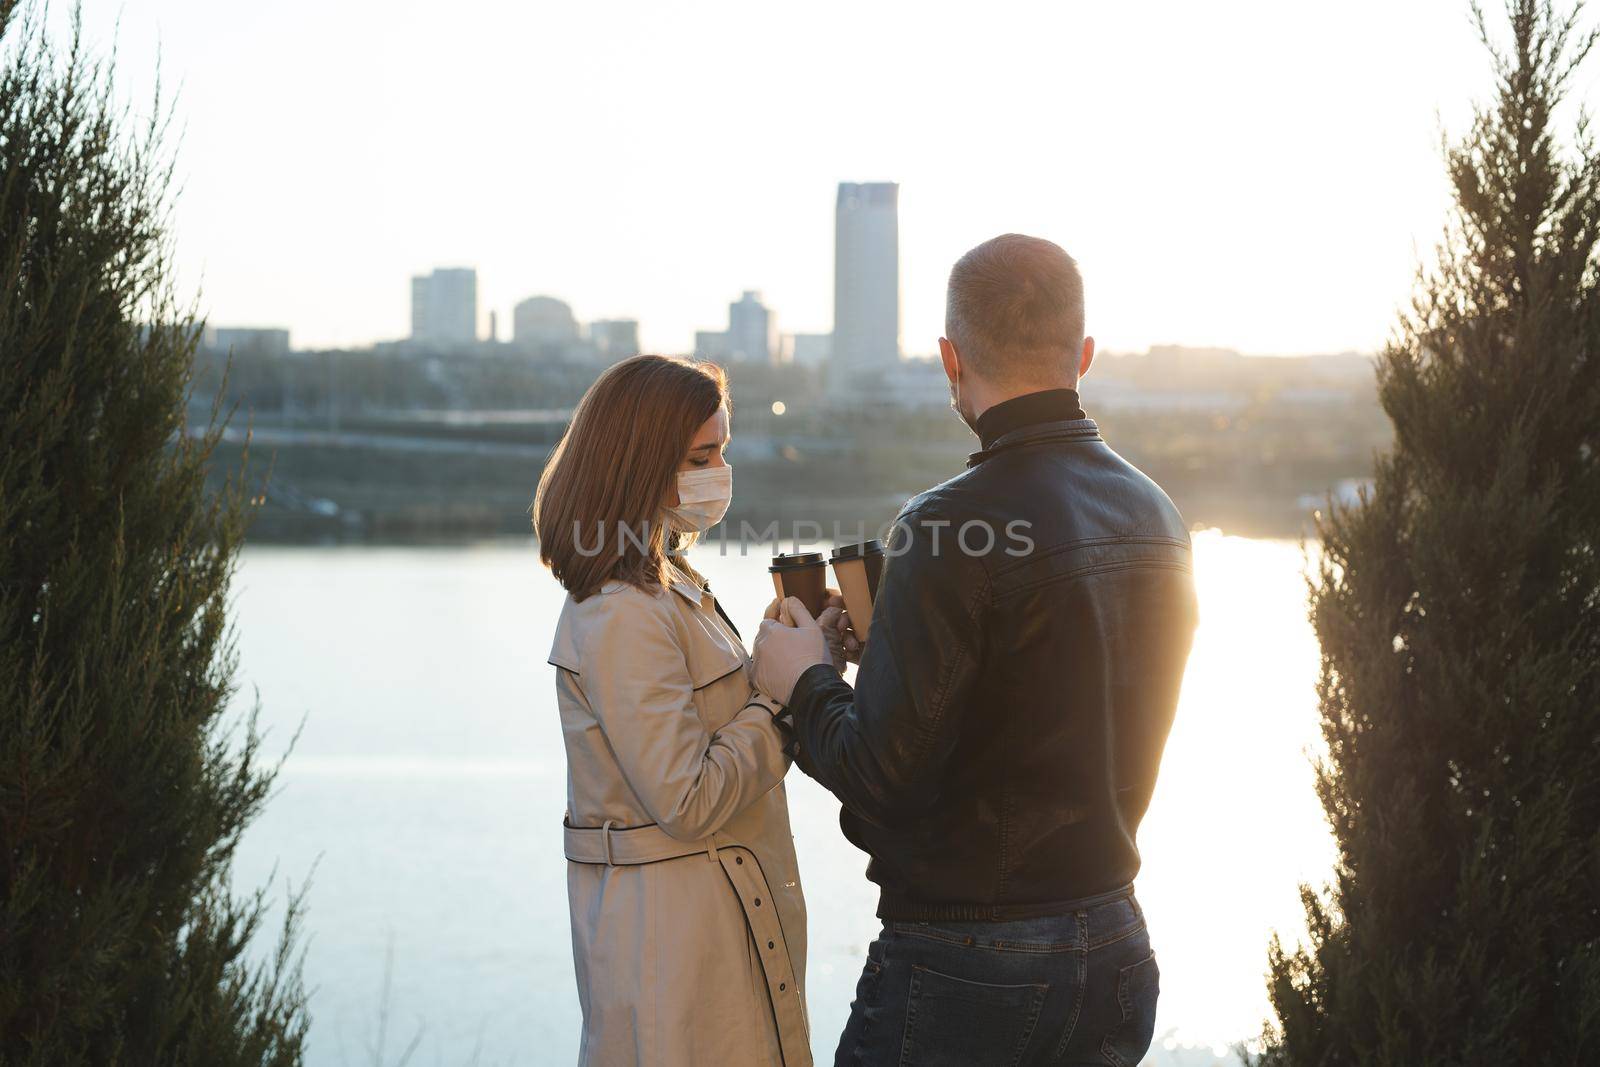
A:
(1010, 710)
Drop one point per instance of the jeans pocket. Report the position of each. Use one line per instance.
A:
(866, 1011)
(953, 1020)
(1138, 989)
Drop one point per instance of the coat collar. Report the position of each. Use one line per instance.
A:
(1064, 430)
(1029, 409)
(700, 597)
(683, 587)
(689, 591)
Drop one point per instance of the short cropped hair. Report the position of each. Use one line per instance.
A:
(1014, 308)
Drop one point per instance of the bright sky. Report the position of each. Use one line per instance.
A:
(1254, 175)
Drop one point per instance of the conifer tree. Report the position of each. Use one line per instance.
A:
(1458, 610)
(121, 795)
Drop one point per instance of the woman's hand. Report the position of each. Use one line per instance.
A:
(843, 646)
(788, 642)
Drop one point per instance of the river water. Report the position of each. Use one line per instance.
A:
(427, 785)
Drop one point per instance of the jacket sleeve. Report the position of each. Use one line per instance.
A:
(882, 749)
(637, 682)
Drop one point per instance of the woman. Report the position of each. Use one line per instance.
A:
(688, 924)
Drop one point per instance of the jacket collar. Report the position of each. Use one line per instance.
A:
(1037, 433)
(1029, 409)
(683, 587)
(688, 590)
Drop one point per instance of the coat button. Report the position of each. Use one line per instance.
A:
(758, 902)
(771, 945)
(738, 859)
(782, 986)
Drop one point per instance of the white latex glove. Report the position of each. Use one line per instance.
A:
(788, 643)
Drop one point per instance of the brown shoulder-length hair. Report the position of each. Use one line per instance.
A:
(597, 512)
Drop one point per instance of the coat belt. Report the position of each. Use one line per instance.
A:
(616, 846)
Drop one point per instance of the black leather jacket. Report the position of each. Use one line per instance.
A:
(1011, 707)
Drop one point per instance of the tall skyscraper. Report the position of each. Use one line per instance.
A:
(750, 329)
(444, 306)
(866, 280)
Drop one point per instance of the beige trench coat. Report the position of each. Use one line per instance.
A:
(688, 924)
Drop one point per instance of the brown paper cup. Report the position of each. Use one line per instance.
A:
(803, 575)
(857, 567)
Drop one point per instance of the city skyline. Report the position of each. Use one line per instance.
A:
(1249, 176)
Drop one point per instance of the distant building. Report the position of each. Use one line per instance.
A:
(251, 340)
(444, 306)
(810, 349)
(1176, 355)
(614, 339)
(916, 383)
(751, 336)
(866, 280)
(752, 329)
(542, 322)
(711, 344)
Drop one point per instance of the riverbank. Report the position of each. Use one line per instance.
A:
(386, 484)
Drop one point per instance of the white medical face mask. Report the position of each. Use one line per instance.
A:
(703, 498)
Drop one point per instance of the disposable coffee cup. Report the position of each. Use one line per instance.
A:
(803, 575)
(857, 567)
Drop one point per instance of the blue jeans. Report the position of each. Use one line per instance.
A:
(1078, 988)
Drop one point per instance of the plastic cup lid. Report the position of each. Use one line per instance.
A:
(873, 547)
(795, 560)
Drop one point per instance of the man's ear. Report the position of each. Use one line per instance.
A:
(1088, 356)
(950, 358)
